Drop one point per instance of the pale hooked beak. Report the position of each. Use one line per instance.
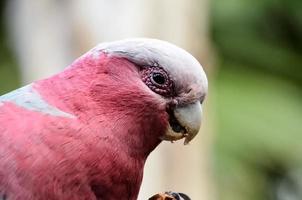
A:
(184, 122)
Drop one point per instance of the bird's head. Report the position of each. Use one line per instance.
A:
(172, 76)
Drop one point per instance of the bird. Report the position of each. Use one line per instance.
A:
(86, 132)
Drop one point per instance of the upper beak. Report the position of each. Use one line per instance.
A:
(185, 122)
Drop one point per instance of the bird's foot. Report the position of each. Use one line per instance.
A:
(170, 196)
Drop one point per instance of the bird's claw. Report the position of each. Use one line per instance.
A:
(170, 196)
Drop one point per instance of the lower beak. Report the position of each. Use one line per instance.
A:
(184, 122)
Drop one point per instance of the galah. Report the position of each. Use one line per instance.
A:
(85, 133)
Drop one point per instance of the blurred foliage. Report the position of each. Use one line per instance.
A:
(266, 35)
(8, 68)
(258, 98)
(259, 127)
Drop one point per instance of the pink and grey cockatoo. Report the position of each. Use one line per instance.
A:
(86, 132)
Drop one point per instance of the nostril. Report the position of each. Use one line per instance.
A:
(189, 90)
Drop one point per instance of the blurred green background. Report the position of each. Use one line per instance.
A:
(8, 66)
(257, 89)
(258, 97)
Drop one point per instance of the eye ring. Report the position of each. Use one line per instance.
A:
(158, 78)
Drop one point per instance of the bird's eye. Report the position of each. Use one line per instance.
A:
(158, 78)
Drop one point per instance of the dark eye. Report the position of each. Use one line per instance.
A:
(158, 78)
